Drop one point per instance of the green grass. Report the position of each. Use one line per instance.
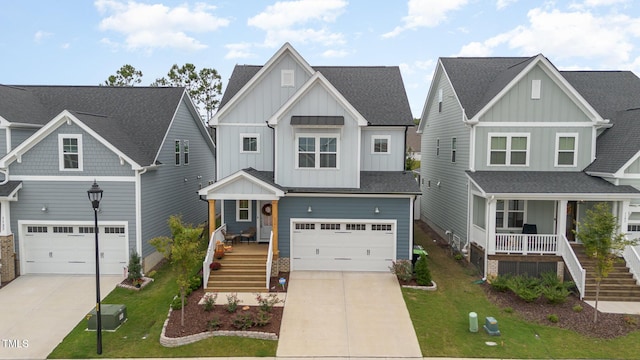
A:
(139, 335)
(441, 321)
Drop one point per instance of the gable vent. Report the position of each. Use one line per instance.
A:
(287, 78)
(535, 89)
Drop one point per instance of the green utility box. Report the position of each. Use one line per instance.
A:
(113, 315)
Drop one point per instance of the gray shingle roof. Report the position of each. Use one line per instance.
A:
(618, 144)
(133, 119)
(545, 182)
(378, 93)
(8, 188)
(371, 182)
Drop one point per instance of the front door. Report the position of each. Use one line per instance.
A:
(266, 220)
(572, 210)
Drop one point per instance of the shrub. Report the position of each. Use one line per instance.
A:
(423, 275)
(214, 323)
(152, 274)
(402, 269)
(268, 302)
(210, 301)
(262, 318)
(577, 308)
(501, 282)
(242, 321)
(525, 287)
(176, 303)
(555, 295)
(195, 282)
(232, 302)
(553, 318)
(458, 256)
(135, 266)
(631, 320)
(508, 310)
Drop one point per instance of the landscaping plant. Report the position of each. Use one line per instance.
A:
(267, 303)
(423, 275)
(402, 269)
(135, 267)
(210, 301)
(232, 302)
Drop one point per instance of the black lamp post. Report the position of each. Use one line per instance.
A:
(95, 195)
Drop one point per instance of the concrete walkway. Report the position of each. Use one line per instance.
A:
(346, 314)
(38, 311)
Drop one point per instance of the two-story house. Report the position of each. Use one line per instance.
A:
(313, 159)
(146, 147)
(514, 152)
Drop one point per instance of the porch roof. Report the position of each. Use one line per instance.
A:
(549, 184)
(8, 190)
(245, 183)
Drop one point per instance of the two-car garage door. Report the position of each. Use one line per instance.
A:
(70, 248)
(344, 245)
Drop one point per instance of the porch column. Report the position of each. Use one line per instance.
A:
(212, 217)
(491, 226)
(5, 218)
(561, 219)
(274, 226)
(623, 217)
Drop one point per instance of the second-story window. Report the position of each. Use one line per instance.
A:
(70, 152)
(186, 152)
(508, 149)
(454, 146)
(566, 149)
(380, 144)
(317, 152)
(250, 143)
(177, 151)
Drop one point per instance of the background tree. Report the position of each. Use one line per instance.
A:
(602, 242)
(184, 251)
(127, 75)
(204, 86)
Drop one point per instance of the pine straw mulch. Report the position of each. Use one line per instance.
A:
(196, 319)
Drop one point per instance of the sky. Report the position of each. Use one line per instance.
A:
(83, 42)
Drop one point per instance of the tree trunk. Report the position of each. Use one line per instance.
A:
(595, 313)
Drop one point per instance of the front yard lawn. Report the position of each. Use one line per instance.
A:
(139, 335)
(441, 321)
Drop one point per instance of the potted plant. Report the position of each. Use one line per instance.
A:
(215, 265)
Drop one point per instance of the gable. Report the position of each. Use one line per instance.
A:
(241, 185)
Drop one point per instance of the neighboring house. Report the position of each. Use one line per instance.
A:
(315, 156)
(146, 147)
(512, 146)
(414, 142)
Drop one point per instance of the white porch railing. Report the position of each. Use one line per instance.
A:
(527, 244)
(208, 259)
(576, 270)
(633, 261)
(269, 260)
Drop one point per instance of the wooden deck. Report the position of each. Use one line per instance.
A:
(251, 248)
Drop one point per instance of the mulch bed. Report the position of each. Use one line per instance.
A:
(196, 319)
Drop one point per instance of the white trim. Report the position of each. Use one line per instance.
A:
(454, 150)
(340, 195)
(61, 153)
(287, 78)
(177, 153)
(508, 136)
(242, 124)
(577, 124)
(138, 210)
(359, 156)
(380, 137)
(575, 149)
(277, 193)
(275, 153)
(248, 209)
(472, 149)
(72, 178)
(411, 224)
(621, 172)
(217, 157)
(505, 210)
(317, 151)
(185, 152)
(7, 135)
(440, 71)
(248, 136)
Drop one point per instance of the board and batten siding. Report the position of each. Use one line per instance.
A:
(173, 190)
(444, 206)
(318, 102)
(392, 161)
(233, 159)
(267, 95)
(67, 201)
(542, 147)
(43, 158)
(517, 106)
(346, 208)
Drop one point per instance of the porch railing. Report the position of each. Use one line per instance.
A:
(578, 273)
(269, 260)
(478, 235)
(527, 244)
(208, 259)
(632, 258)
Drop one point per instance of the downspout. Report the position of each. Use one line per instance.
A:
(138, 190)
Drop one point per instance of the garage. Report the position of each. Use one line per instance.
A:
(70, 248)
(342, 245)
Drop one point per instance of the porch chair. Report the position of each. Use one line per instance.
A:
(248, 234)
(531, 240)
(230, 237)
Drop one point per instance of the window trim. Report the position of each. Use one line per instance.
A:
(317, 152)
(285, 76)
(508, 150)
(61, 153)
(575, 149)
(248, 208)
(249, 135)
(506, 211)
(185, 152)
(454, 149)
(380, 137)
(177, 151)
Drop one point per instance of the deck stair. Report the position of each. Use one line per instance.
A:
(618, 286)
(243, 270)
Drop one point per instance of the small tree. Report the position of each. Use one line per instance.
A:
(602, 242)
(423, 275)
(183, 250)
(127, 75)
(135, 266)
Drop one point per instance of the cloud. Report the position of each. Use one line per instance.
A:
(501, 4)
(426, 14)
(150, 26)
(335, 53)
(41, 35)
(236, 51)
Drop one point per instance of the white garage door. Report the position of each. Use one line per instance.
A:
(353, 245)
(70, 249)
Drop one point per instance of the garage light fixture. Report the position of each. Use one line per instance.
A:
(376, 210)
(44, 208)
(309, 210)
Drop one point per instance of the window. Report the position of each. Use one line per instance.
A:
(86, 229)
(381, 227)
(37, 229)
(510, 214)
(511, 149)
(453, 149)
(317, 152)
(535, 89)
(177, 152)
(250, 143)
(114, 230)
(329, 226)
(380, 144)
(566, 149)
(186, 152)
(438, 147)
(63, 229)
(305, 226)
(359, 227)
(70, 152)
(633, 227)
(440, 96)
(287, 78)
(243, 210)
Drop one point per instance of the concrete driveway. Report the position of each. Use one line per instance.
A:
(346, 314)
(38, 311)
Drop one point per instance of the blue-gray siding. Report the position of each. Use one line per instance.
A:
(233, 226)
(18, 136)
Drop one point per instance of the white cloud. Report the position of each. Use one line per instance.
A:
(149, 26)
(238, 51)
(335, 53)
(604, 2)
(426, 14)
(65, 46)
(41, 35)
(501, 4)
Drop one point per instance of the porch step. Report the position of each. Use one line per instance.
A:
(243, 270)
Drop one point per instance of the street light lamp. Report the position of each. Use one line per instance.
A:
(95, 195)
